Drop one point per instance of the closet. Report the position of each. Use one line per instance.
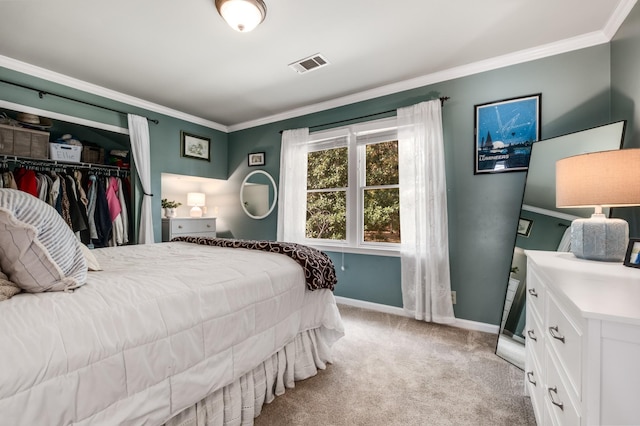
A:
(93, 193)
(94, 200)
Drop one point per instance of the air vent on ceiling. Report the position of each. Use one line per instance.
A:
(311, 63)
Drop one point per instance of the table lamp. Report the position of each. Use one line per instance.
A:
(195, 199)
(599, 179)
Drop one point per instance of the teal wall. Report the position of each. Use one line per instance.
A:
(577, 93)
(165, 136)
(625, 94)
(483, 209)
(546, 231)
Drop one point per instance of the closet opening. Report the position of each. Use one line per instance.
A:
(51, 147)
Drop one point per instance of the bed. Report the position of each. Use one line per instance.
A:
(172, 333)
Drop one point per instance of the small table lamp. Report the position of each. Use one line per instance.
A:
(195, 199)
(599, 179)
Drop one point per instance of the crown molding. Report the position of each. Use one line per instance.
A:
(617, 17)
(74, 83)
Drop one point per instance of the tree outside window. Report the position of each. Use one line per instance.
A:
(381, 194)
(375, 206)
(327, 181)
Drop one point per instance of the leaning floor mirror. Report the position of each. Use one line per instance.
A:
(542, 226)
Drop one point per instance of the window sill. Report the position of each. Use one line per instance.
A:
(370, 251)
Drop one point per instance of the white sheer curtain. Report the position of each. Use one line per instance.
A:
(141, 149)
(426, 282)
(292, 202)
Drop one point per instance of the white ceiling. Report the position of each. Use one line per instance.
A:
(181, 55)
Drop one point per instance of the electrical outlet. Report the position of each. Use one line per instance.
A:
(453, 297)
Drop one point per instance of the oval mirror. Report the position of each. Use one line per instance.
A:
(258, 194)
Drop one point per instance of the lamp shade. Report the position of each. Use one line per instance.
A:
(605, 178)
(242, 15)
(195, 199)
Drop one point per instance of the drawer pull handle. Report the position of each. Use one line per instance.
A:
(532, 335)
(554, 333)
(208, 226)
(179, 226)
(532, 291)
(529, 378)
(553, 401)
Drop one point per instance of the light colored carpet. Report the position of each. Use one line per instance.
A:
(391, 370)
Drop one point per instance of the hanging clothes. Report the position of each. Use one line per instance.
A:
(124, 214)
(115, 210)
(83, 203)
(102, 217)
(96, 208)
(44, 183)
(91, 209)
(78, 222)
(26, 180)
(54, 193)
(9, 181)
(65, 207)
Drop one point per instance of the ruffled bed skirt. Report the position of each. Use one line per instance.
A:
(241, 401)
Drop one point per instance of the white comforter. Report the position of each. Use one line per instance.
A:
(158, 329)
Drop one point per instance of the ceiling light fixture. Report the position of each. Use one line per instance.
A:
(242, 15)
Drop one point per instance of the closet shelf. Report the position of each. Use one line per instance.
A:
(45, 161)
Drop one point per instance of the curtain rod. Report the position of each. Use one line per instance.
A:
(442, 100)
(41, 94)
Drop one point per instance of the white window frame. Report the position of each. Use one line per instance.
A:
(355, 137)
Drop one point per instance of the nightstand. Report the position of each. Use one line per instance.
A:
(188, 226)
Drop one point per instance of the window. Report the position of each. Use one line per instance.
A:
(381, 193)
(353, 195)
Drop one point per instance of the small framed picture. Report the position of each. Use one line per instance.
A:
(256, 159)
(194, 146)
(524, 227)
(632, 258)
(504, 132)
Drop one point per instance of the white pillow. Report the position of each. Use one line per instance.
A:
(38, 250)
(92, 262)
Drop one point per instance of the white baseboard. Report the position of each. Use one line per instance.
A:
(394, 310)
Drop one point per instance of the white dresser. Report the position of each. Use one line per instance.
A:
(582, 363)
(188, 226)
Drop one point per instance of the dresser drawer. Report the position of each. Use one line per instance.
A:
(534, 335)
(536, 292)
(192, 226)
(565, 339)
(534, 384)
(184, 226)
(557, 399)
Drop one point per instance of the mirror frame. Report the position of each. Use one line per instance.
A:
(275, 194)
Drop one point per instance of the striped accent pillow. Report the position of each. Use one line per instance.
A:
(38, 250)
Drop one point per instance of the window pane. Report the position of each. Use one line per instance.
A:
(382, 163)
(326, 215)
(382, 215)
(328, 168)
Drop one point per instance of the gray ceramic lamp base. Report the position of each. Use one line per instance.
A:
(599, 238)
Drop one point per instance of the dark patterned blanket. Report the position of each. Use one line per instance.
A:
(319, 271)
